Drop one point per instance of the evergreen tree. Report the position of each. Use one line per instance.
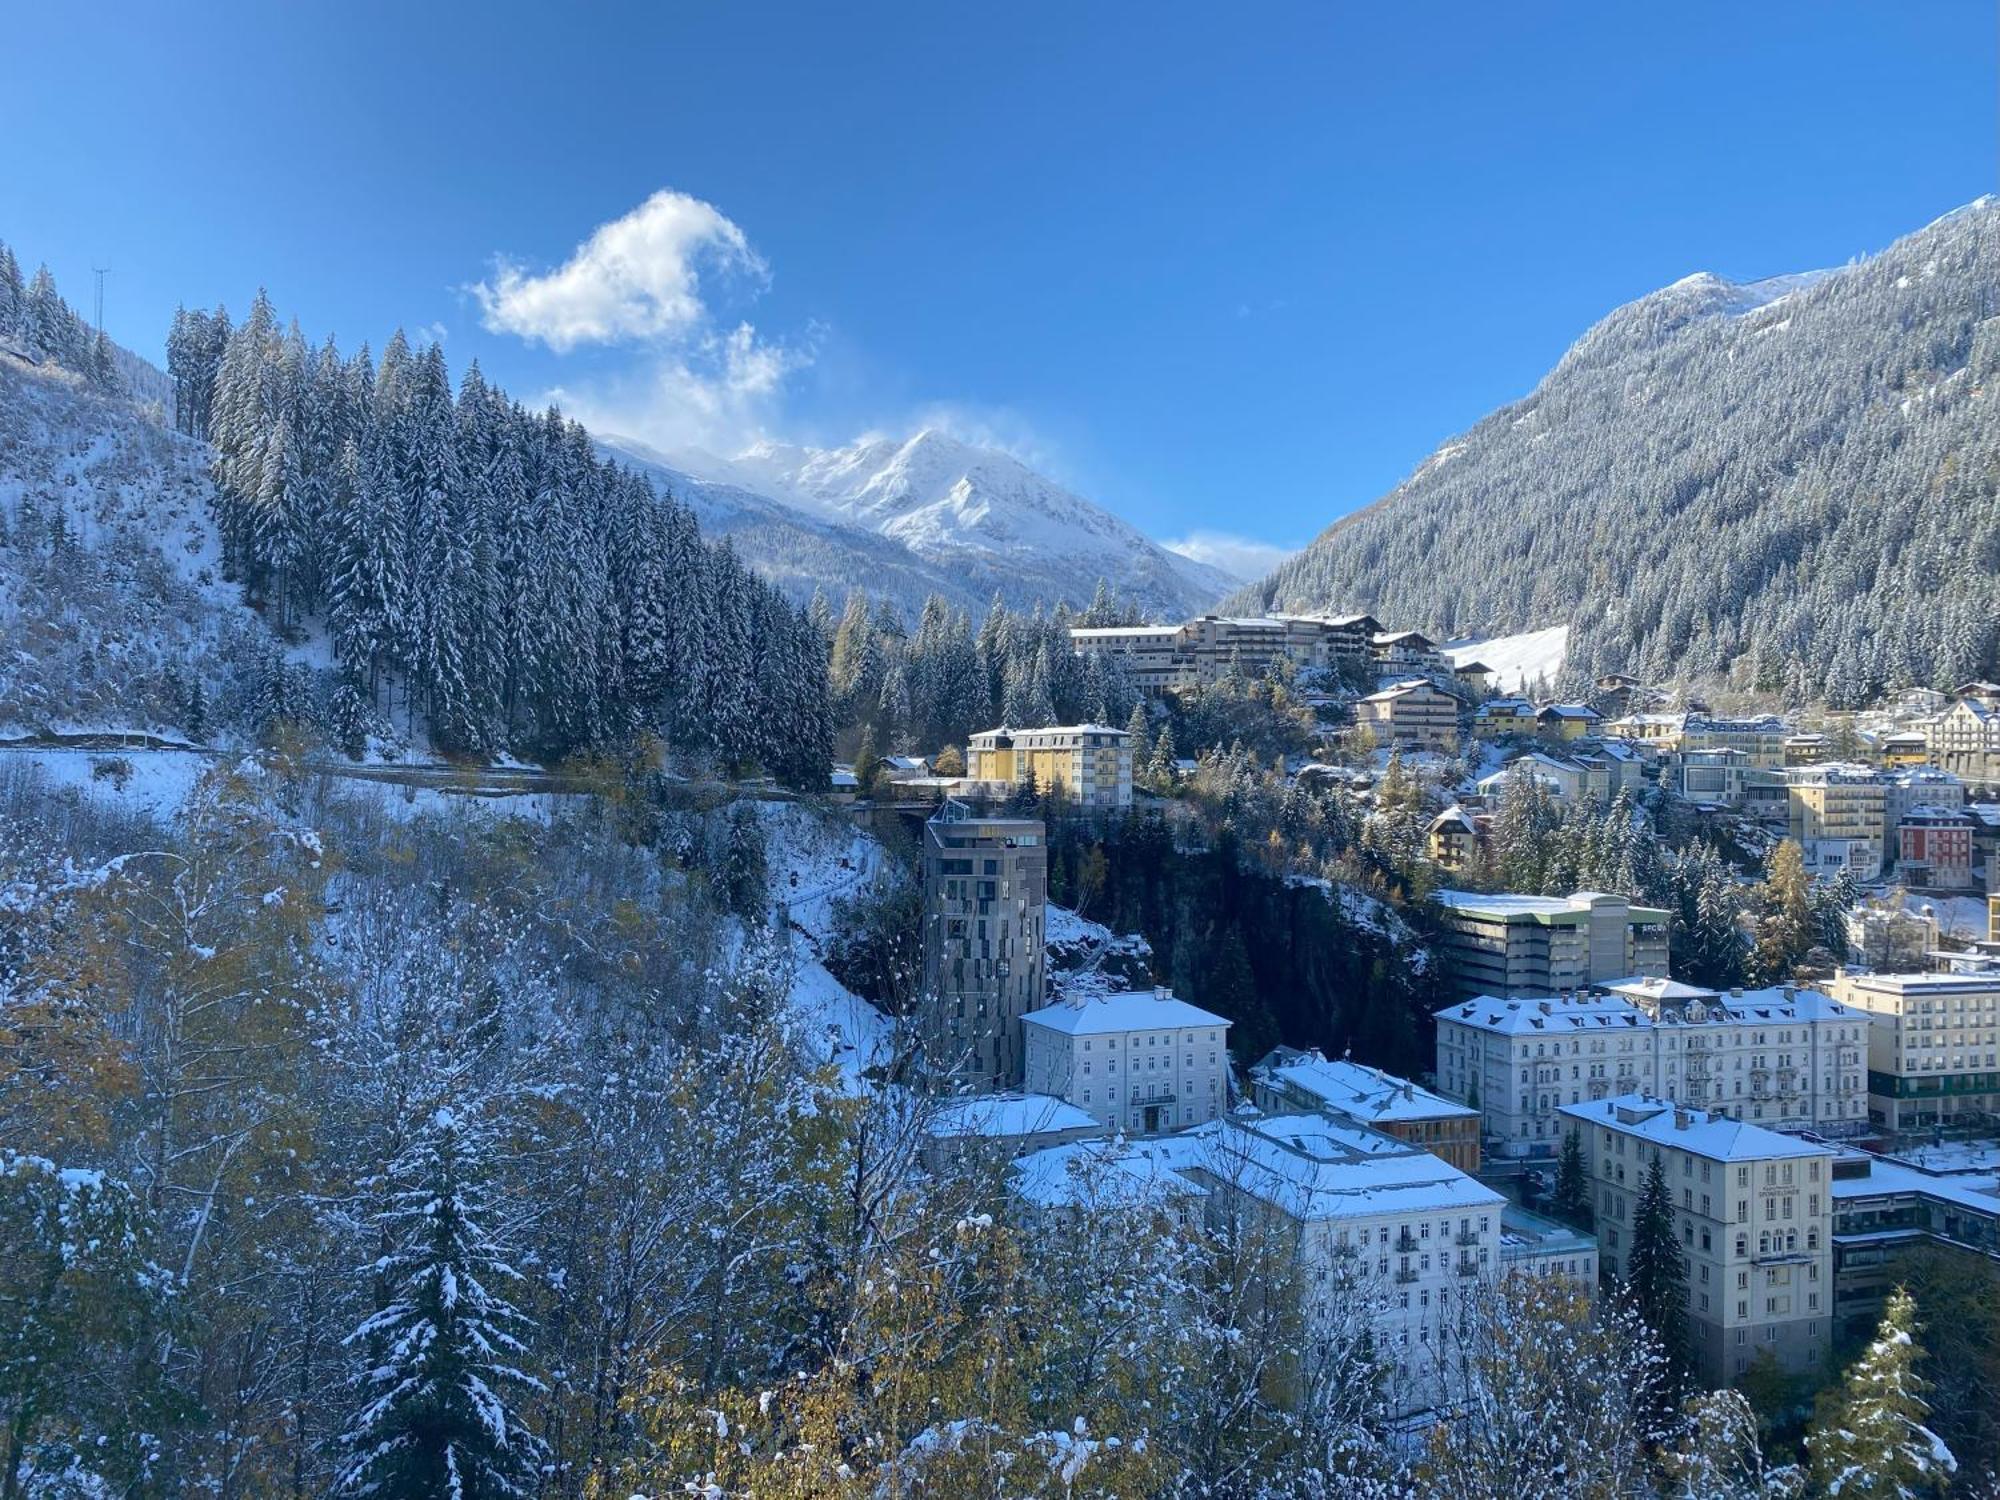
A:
(1655, 1284)
(441, 1356)
(1571, 1200)
(1869, 1437)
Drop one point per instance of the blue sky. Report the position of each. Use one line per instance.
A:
(1232, 269)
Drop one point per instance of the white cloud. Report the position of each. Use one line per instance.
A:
(635, 278)
(1241, 557)
(698, 379)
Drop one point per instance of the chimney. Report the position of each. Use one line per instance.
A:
(1681, 1118)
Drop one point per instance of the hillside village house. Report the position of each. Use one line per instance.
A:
(1289, 1081)
(1498, 716)
(1474, 678)
(1452, 839)
(1753, 1210)
(1933, 1048)
(1141, 1061)
(1909, 747)
(1415, 714)
(1406, 651)
(1090, 763)
(1806, 749)
(1567, 721)
(1546, 945)
(1786, 1058)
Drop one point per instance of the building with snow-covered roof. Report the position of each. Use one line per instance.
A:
(1785, 1058)
(1884, 1205)
(1379, 1226)
(1141, 1061)
(1452, 838)
(1417, 713)
(1933, 1045)
(1289, 1080)
(1547, 945)
(1059, 1184)
(1005, 1125)
(1498, 716)
(1753, 1211)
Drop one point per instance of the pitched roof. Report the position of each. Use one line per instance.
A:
(1122, 1010)
(1715, 1136)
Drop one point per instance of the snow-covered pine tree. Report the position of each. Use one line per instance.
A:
(1869, 1437)
(441, 1359)
(1655, 1282)
(1570, 1201)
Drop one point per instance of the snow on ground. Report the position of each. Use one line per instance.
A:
(1957, 916)
(153, 782)
(815, 858)
(1516, 659)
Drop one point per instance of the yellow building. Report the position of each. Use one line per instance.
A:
(1909, 748)
(1091, 763)
(1567, 721)
(1498, 716)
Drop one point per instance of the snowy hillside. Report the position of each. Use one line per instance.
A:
(976, 519)
(1787, 483)
(1517, 660)
(112, 604)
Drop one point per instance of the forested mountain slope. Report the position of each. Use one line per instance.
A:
(1790, 482)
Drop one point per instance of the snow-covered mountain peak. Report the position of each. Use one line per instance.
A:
(972, 510)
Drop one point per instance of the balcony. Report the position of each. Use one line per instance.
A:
(1406, 1242)
(1468, 1267)
(1468, 1237)
(1405, 1276)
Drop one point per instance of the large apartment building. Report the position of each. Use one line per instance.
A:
(1753, 1210)
(1966, 737)
(1163, 658)
(1783, 1058)
(1933, 1045)
(1837, 814)
(1760, 740)
(1090, 763)
(984, 964)
(1140, 1061)
(1547, 945)
(1377, 1223)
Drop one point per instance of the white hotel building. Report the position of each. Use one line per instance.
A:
(1138, 1060)
(1753, 1210)
(1782, 1058)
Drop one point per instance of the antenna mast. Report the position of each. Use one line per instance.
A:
(100, 272)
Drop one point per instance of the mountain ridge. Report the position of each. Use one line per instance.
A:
(1681, 488)
(940, 513)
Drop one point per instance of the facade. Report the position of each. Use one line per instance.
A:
(1934, 849)
(1406, 651)
(1754, 1213)
(1661, 731)
(1420, 714)
(1884, 1205)
(1377, 1223)
(1580, 773)
(984, 964)
(1966, 737)
(1289, 1081)
(1567, 721)
(1139, 1061)
(1169, 658)
(1003, 1126)
(1933, 1045)
(1452, 839)
(1836, 813)
(1712, 777)
(1909, 747)
(1498, 716)
(1808, 748)
(1784, 1058)
(1531, 1245)
(1091, 763)
(1762, 740)
(1547, 945)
